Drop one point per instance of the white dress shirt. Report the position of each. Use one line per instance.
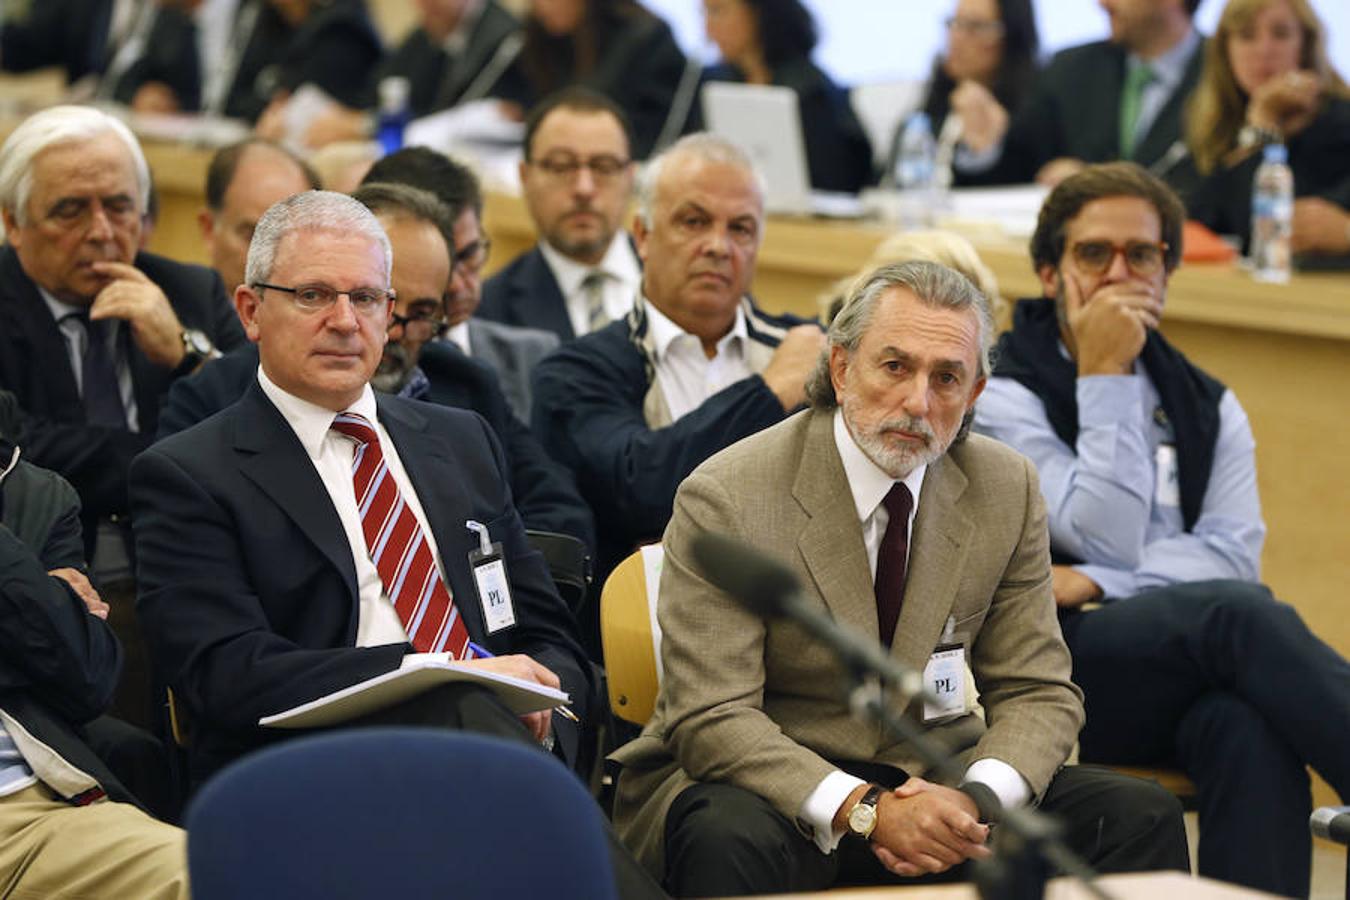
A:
(459, 336)
(331, 454)
(624, 279)
(686, 374)
(869, 486)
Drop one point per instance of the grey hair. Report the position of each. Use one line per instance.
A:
(700, 145)
(321, 212)
(60, 125)
(935, 285)
(403, 201)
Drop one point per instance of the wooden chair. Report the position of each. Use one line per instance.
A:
(631, 635)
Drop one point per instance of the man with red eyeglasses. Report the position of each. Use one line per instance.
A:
(1148, 470)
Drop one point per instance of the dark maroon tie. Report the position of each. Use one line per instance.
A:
(890, 583)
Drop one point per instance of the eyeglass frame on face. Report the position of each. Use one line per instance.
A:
(481, 248)
(364, 300)
(433, 319)
(982, 28)
(604, 167)
(1149, 268)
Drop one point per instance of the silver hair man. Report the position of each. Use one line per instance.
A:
(702, 145)
(60, 125)
(933, 284)
(312, 211)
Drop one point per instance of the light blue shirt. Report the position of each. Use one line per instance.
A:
(1106, 503)
(14, 772)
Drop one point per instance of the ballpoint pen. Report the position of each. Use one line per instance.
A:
(482, 652)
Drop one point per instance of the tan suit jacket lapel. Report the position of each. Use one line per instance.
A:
(939, 544)
(831, 543)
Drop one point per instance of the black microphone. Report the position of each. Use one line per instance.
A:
(768, 588)
(1331, 823)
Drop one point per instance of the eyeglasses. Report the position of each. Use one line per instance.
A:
(473, 255)
(565, 167)
(421, 324)
(1144, 258)
(320, 297)
(980, 28)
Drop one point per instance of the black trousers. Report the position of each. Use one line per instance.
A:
(726, 841)
(471, 708)
(1224, 682)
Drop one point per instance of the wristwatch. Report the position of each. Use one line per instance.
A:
(1258, 136)
(197, 349)
(862, 818)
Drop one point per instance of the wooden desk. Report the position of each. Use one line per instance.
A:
(1135, 886)
(1285, 351)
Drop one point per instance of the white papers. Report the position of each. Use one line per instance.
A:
(402, 684)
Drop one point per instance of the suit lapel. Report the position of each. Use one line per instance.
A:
(30, 318)
(1166, 128)
(538, 299)
(831, 543)
(939, 544)
(272, 457)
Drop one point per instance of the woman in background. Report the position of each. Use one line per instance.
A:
(770, 42)
(991, 45)
(1267, 80)
(616, 47)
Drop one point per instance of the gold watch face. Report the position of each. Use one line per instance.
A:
(862, 819)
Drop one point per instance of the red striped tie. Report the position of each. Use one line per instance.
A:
(399, 549)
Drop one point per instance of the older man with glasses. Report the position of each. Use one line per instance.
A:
(577, 177)
(1149, 475)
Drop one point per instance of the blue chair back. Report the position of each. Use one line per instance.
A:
(401, 813)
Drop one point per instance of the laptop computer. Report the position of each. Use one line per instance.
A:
(765, 121)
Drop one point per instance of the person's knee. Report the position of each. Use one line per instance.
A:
(723, 837)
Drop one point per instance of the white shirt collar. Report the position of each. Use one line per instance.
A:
(866, 480)
(59, 308)
(309, 421)
(663, 332)
(618, 262)
(459, 336)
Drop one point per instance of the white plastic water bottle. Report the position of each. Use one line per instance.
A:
(915, 169)
(1272, 215)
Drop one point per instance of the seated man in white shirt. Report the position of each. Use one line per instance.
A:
(693, 367)
(577, 177)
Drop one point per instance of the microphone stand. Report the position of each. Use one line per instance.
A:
(1017, 872)
(1027, 838)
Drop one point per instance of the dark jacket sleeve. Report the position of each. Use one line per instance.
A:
(207, 391)
(588, 400)
(51, 646)
(336, 49)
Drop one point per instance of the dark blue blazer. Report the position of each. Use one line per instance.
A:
(545, 493)
(248, 596)
(525, 293)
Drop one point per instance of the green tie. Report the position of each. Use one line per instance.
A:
(1137, 77)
